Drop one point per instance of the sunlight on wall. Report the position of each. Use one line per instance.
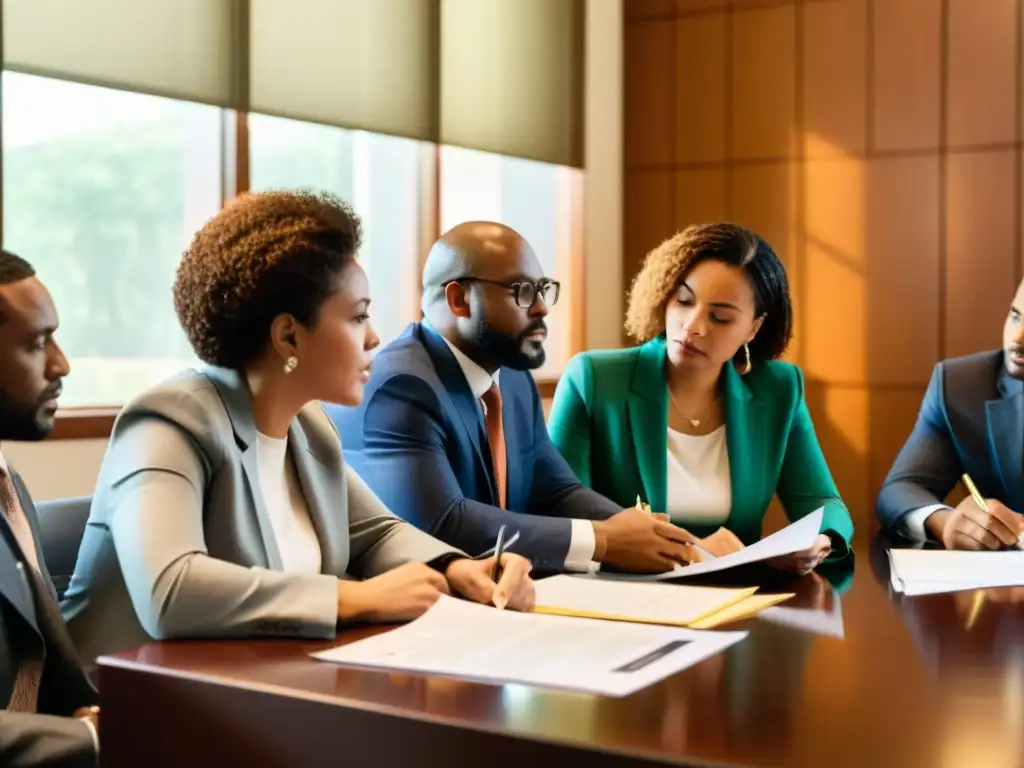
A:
(836, 262)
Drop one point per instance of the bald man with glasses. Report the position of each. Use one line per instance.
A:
(451, 432)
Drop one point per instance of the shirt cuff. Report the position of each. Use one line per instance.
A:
(440, 564)
(581, 547)
(912, 525)
(92, 732)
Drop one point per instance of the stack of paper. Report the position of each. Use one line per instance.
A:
(795, 537)
(465, 640)
(930, 571)
(645, 603)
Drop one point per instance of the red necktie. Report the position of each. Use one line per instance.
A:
(496, 437)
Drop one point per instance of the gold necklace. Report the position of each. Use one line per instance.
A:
(693, 422)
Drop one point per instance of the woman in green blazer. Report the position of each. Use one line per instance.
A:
(701, 420)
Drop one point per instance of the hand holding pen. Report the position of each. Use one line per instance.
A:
(702, 549)
(977, 523)
(497, 576)
(637, 541)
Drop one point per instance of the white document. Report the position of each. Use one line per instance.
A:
(456, 638)
(633, 601)
(795, 537)
(930, 571)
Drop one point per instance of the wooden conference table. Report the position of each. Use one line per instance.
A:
(931, 682)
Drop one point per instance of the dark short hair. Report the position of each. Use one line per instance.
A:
(14, 268)
(667, 266)
(264, 254)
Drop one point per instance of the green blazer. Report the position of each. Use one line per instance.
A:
(609, 419)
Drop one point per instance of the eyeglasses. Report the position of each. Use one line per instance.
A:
(526, 293)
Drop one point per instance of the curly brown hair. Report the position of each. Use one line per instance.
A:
(262, 255)
(667, 265)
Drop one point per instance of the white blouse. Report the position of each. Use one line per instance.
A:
(286, 506)
(699, 485)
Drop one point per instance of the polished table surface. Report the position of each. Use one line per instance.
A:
(930, 682)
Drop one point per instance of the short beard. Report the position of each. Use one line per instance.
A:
(21, 424)
(507, 351)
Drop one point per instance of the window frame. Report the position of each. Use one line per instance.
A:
(97, 421)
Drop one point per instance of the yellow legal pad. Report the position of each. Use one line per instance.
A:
(647, 602)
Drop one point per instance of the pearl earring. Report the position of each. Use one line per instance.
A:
(291, 364)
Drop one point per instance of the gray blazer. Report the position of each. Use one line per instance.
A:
(179, 542)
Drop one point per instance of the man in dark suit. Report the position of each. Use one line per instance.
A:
(451, 432)
(971, 421)
(48, 717)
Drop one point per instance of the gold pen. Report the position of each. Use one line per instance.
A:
(971, 488)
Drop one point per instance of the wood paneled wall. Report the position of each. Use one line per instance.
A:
(877, 145)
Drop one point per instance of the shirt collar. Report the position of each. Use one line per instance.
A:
(479, 380)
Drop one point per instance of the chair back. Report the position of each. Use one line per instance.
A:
(61, 527)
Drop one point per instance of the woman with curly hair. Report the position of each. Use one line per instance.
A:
(701, 419)
(224, 507)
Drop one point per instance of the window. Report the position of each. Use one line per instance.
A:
(379, 175)
(102, 190)
(538, 200)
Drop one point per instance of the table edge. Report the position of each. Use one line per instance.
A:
(393, 711)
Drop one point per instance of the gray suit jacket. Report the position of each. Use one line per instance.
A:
(30, 619)
(179, 542)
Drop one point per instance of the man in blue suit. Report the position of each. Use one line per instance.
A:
(451, 432)
(971, 421)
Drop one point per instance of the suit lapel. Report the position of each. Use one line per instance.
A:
(1005, 418)
(745, 442)
(647, 409)
(250, 463)
(234, 393)
(28, 507)
(13, 580)
(330, 526)
(457, 388)
(508, 425)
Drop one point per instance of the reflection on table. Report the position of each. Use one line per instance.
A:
(972, 645)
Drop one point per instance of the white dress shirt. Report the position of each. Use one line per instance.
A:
(913, 522)
(582, 542)
(286, 506)
(699, 484)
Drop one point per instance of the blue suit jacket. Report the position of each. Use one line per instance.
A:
(971, 420)
(419, 440)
